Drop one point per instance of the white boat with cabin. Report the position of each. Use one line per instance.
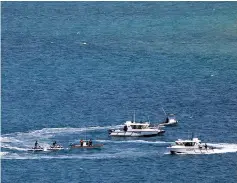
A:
(135, 129)
(193, 146)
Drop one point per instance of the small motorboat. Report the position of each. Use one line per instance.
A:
(193, 146)
(86, 144)
(170, 120)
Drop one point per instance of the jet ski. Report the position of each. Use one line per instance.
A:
(86, 145)
(36, 149)
(55, 148)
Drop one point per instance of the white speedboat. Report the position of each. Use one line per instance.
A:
(170, 120)
(193, 146)
(135, 129)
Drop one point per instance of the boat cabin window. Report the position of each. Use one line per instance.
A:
(189, 143)
(137, 126)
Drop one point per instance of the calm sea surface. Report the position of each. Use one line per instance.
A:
(73, 70)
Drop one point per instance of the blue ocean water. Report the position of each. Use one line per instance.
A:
(75, 69)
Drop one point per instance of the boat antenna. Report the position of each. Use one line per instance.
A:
(164, 111)
(134, 116)
(85, 134)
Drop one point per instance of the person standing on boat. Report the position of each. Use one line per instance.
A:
(81, 142)
(54, 143)
(125, 128)
(36, 144)
(205, 146)
(90, 142)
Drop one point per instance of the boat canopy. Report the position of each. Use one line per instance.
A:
(171, 118)
(185, 143)
(135, 125)
(188, 142)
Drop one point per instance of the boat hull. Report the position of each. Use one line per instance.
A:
(78, 146)
(190, 150)
(136, 134)
(169, 124)
(35, 150)
(55, 149)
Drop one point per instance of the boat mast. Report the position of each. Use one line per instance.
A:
(134, 116)
(85, 134)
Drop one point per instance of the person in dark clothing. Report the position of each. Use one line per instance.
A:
(125, 128)
(81, 142)
(54, 143)
(90, 142)
(205, 146)
(36, 144)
